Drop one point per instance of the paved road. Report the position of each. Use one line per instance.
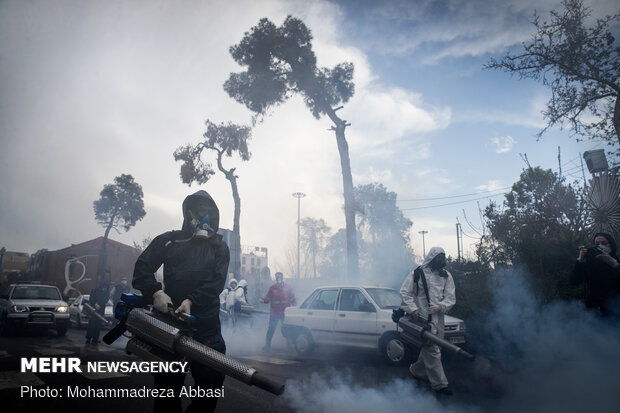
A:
(347, 373)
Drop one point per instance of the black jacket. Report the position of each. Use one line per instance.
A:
(601, 282)
(99, 295)
(194, 268)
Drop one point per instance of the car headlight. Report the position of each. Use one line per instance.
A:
(19, 309)
(61, 309)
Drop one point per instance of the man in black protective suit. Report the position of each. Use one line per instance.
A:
(98, 299)
(195, 262)
(120, 289)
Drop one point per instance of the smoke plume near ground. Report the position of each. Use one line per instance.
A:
(557, 357)
(343, 393)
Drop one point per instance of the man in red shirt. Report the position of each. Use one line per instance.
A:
(280, 295)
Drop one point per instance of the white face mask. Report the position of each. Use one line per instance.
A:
(604, 248)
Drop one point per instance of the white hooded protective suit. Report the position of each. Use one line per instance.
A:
(441, 293)
(236, 295)
(223, 296)
(230, 297)
(240, 296)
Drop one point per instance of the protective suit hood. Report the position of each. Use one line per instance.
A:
(435, 251)
(201, 203)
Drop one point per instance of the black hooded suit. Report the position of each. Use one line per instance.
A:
(195, 268)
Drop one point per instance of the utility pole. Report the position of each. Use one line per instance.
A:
(298, 195)
(423, 246)
(459, 241)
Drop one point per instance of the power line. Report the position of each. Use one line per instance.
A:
(452, 203)
(453, 196)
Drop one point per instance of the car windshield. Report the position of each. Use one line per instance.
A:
(385, 298)
(35, 292)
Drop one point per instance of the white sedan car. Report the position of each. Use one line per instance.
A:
(355, 316)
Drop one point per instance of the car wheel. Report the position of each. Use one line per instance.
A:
(394, 350)
(61, 329)
(304, 344)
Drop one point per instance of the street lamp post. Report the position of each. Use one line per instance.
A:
(423, 246)
(298, 195)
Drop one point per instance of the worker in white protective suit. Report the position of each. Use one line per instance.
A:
(235, 298)
(230, 296)
(428, 292)
(232, 284)
(241, 293)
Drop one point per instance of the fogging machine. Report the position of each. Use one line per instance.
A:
(417, 331)
(167, 337)
(90, 310)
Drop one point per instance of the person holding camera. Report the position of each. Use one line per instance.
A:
(598, 268)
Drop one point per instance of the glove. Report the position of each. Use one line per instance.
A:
(161, 300)
(97, 306)
(185, 307)
(435, 308)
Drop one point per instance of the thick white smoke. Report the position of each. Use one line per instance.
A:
(553, 358)
(342, 393)
(560, 357)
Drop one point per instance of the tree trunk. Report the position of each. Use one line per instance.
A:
(103, 257)
(314, 263)
(236, 230)
(236, 247)
(349, 200)
(617, 118)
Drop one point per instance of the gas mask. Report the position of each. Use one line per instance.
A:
(202, 227)
(438, 262)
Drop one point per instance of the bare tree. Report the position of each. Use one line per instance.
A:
(141, 246)
(288, 264)
(314, 236)
(225, 140)
(581, 66)
(120, 206)
(280, 62)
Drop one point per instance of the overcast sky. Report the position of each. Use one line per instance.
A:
(91, 90)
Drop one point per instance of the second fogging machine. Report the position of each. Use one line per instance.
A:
(417, 331)
(92, 312)
(167, 337)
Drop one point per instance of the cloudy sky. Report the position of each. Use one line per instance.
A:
(91, 90)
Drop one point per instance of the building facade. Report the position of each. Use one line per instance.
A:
(74, 269)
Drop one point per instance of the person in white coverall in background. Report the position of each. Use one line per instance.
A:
(441, 298)
(241, 294)
(232, 284)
